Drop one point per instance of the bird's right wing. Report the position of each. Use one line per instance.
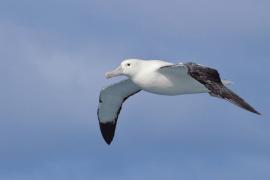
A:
(110, 103)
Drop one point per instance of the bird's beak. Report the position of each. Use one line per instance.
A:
(116, 72)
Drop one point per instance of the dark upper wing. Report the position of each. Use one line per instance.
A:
(110, 103)
(210, 79)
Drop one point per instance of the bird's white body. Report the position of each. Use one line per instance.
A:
(154, 80)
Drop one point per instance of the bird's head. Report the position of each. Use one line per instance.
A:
(127, 68)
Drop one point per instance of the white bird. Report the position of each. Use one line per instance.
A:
(159, 77)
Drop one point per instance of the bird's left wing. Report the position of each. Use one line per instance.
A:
(110, 103)
(210, 78)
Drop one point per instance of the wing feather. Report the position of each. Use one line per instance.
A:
(210, 78)
(110, 103)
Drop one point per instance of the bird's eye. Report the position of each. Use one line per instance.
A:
(128, 64)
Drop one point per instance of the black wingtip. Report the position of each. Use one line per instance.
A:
(107, 131)
(229, 95)
(243, 104)
(256, 112)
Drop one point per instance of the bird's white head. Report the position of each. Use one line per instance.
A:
(127, 68)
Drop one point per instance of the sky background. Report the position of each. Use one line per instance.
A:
(53, 56)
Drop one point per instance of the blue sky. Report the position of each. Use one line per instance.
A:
(53, 56)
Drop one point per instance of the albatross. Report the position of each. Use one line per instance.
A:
(163, 78)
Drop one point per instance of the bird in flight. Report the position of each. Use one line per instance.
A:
(159, 77)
